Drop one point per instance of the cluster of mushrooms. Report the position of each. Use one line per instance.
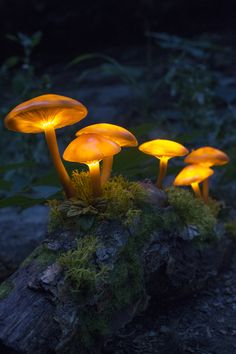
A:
(100, 142)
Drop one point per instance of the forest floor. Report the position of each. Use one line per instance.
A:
(204, 324)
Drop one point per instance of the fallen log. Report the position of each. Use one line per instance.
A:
(94, 274)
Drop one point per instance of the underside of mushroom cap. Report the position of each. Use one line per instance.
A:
(88, 148)
(192, 174)
(118, 134)
(163, 148)
(35, 115)
(207, 156)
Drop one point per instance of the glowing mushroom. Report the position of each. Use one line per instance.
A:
(163, 150)
(193, 175)
(207, 156)
(45, 114)
(90, 149)
(119, 135)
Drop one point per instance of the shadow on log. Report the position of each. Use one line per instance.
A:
(81, 285)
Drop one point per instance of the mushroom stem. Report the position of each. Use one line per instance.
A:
(94, 170)
(205, 190)
(54, 151)
(106, 169)
(162, 171)
(196, 189)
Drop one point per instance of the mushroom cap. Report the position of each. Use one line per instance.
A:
(207, 156)
(163, 148)
(118, 134)
(192, 174)
(34, 115)
(88, 148)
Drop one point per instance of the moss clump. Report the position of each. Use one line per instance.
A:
(230, 228)
(42, 256)
(121, 200)
(192, 211)
(122, 197)
(5, 289)
(214, 206)
(81, 270)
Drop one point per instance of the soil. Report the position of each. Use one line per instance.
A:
(205, 324)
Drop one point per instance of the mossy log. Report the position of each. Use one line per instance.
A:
(81, 285)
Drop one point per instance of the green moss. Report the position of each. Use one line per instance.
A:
(123, 196)
(214, 206)
(81, 270)
(42, 256)
(128, 270)
(55, 216)
(230, 228)
(121, 200)
(5, 288)
(193, 211)
(82, 185)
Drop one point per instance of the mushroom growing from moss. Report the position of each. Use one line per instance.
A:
(207, 156)
(90, 149)
(163, 150)
(119, 135)
(45, 114)
(193, 175)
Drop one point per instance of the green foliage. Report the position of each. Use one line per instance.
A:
(192, 211)
(230, 228)
(81, 270)
(5, 288)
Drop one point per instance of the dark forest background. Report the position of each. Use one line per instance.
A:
(73, 26)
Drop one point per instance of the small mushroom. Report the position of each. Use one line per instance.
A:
(163, 150)
(119, 135)
(207, 156)
(193, 175)
(45, 114)
(90, 149)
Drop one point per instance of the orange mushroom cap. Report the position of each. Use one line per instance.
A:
(192, 174)
(88, 148)
(207, 156)
(163, 148)
(34, 115)
(119, 135)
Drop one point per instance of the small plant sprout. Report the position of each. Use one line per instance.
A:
(90, 149)
(119, 135)
(207, 156)
(163, 150)
(192, 175)
(45, 114)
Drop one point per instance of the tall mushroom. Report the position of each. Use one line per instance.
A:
(163, 150)
(90, 149)
(45, 114)
(119, 135)
(207, 156)
(193, 175)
